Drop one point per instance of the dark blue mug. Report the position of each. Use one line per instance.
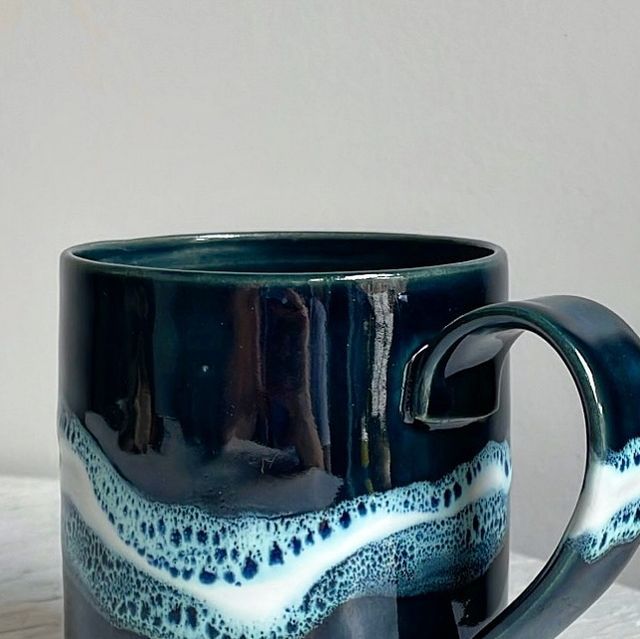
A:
(275, 435)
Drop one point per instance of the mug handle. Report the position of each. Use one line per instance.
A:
(603, 356)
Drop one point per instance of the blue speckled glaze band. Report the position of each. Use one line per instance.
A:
(611, 514)
(178, 572)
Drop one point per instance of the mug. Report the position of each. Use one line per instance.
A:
(306, 435)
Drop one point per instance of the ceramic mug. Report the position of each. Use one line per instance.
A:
(306, 435)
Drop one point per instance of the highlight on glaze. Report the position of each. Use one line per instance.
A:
(178, 572)
(610, 512)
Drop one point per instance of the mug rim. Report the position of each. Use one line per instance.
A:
(99, 255)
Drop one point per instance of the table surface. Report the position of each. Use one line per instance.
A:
(31, 592)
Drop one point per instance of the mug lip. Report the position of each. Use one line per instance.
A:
(77, 255)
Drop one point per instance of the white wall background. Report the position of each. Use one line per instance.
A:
(513, 121)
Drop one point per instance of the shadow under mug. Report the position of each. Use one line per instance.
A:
(306, 435)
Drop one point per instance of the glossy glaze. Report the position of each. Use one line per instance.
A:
(245, 452)
(276, 395)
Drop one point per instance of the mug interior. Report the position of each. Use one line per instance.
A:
(267, 253)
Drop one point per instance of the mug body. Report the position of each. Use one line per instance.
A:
(234, 458)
